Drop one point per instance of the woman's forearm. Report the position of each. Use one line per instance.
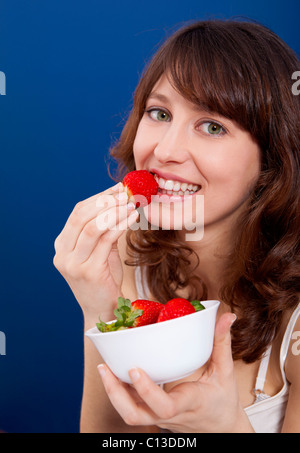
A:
(97, 412)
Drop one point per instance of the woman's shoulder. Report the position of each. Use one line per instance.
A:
(128, 285)
(292, 372)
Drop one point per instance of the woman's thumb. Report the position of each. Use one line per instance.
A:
(222, 355)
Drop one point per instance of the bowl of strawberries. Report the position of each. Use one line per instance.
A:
(168, 341)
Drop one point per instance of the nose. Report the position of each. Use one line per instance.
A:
(172, 145)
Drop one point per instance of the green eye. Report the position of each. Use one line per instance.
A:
(214, 128)
(162, 116)
(158, 115)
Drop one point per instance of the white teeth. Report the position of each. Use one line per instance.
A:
(175, 187)
(161, 183)
(169, 185)
(172, 192)
(183, 186)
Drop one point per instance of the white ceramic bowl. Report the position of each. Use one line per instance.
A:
(167, 351)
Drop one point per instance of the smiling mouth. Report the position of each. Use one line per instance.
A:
(173, 187)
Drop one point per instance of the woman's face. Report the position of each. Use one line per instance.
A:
(200, 158)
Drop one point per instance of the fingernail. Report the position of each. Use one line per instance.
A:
(101, 370)
(132, 218)
(134, 375)
(130, 206)
(122, 196)
(117, 187)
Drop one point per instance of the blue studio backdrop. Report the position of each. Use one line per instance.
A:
(70, 68)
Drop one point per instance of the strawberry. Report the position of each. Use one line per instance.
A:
(132, 314)
(142, 183)
(150, 311)
(178, 307)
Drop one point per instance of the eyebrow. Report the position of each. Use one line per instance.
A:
(197, 108)
(162, 98)
(158, 96)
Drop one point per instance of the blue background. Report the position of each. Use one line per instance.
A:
(71, 67)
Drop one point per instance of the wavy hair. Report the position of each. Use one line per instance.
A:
(243, 71)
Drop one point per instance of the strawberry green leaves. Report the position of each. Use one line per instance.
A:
(197, 305)
(143, 312)
(125, 317)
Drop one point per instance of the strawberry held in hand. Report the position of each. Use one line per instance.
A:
(175, 308)
(140, 185)
(132, 314)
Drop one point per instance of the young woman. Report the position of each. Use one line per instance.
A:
(214, 111)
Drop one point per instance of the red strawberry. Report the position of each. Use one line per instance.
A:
(150, 311)
(138, 313)
(140, 182)
(178, 307)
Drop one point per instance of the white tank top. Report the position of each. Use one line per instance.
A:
(267, 413)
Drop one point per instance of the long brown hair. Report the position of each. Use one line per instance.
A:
(242, 71)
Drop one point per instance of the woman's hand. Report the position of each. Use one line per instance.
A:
(86, 250)
(209, 404)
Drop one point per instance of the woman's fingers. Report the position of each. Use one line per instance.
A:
(107, 220)
(106, 241)
(132, 412)
(222, 355)
(166, 406)
(149, 404)
(84, 212)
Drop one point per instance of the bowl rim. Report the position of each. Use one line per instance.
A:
(94, 331)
